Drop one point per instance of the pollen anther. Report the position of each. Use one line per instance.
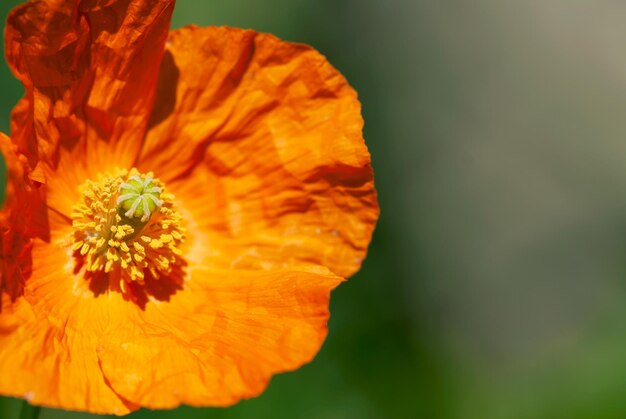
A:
(126, 226)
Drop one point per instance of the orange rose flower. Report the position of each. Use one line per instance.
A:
(203, 192)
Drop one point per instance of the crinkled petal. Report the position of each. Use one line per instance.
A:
(263, 143)
(221, 339)
(89, 69)
(47, 366)
(22, 216)
(216, 341)
(14, 180)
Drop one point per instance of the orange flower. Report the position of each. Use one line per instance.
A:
(205, 191)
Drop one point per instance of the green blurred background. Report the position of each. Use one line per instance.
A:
(495, 284)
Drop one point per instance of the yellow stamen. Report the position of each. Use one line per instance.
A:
(125, 224)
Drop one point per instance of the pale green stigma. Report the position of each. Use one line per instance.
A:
(139, 197)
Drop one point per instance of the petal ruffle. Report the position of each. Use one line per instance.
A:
(262, 141)
(22, 216)
(49, 367)
(216, 341)
(89, 69)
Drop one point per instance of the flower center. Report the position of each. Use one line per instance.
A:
(126, 226)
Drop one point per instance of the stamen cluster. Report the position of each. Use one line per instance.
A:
(126, 226)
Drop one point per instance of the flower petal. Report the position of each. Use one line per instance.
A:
(89, 70)
(262, 140)
(12, 245)
(66, 373)
(22, 216)
(216, 341)
(221, 339)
